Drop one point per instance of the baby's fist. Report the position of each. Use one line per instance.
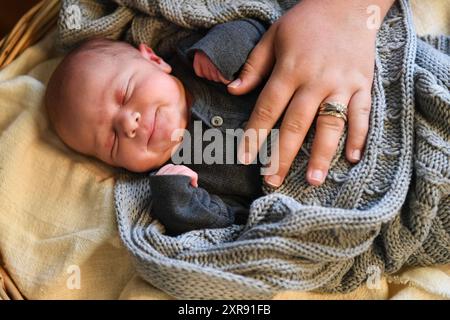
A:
(171, 169)
(204, 68)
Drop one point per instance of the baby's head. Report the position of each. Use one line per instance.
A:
(117, 103)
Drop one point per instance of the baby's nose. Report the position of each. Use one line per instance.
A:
(132, 123)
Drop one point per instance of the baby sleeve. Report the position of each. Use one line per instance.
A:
(228, 45)
(181, 207)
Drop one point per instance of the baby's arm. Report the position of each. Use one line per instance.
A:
(221, 53)
(181, 207)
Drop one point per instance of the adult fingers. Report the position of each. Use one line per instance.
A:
(258, 65)
(296, 123)
(329, 130)
(358, 124)
(271, 103)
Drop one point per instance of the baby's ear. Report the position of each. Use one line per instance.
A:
(148, 54)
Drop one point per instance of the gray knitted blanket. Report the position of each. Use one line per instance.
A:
(390, 210)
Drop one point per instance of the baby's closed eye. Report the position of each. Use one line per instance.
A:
(127, 93)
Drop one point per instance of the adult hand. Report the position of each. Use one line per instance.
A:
(319, 51)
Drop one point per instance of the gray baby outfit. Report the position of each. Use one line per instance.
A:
(225, 191)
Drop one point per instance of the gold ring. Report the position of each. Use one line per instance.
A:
(334, 109)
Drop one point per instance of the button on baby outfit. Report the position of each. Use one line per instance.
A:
(216, 121)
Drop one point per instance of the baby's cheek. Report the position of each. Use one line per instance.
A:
(128, 158)
(143, 161)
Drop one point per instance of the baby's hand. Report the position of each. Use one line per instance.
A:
(204, 68)
(171, 169)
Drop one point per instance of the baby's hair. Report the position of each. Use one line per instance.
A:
(55, 93)
(107, 47)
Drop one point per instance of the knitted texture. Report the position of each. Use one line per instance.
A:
(151, 21)
(390, 210)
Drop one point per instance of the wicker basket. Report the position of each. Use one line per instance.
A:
(29, 30)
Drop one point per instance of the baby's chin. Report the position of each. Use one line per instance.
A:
(152, 159)
(146, 166)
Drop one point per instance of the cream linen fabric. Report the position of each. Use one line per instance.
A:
(58, 236)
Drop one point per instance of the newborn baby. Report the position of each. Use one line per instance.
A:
(122, 105)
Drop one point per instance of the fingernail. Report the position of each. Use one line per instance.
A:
(236, 83)
(356, 155)
(274, 181)
(316, 175)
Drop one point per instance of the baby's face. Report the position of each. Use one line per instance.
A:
(125, 110)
